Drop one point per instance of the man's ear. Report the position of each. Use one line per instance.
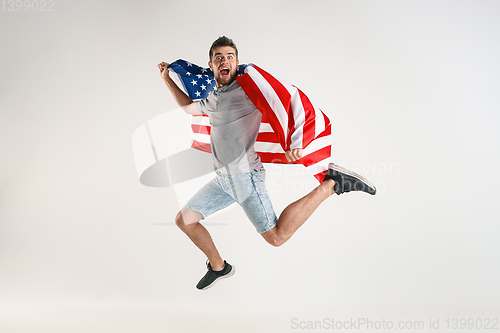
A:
(210, 65)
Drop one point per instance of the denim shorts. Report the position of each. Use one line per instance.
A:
(247, 189)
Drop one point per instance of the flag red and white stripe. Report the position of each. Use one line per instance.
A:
(289, 120)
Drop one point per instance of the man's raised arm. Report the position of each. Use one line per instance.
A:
(180, 97)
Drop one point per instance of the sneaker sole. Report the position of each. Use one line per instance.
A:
(233, 270)
(350, 173)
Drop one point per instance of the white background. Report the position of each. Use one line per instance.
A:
(412, 90)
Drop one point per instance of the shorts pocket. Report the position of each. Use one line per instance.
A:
(259, 182)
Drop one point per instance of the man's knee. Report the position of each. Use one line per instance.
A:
(273, 238)
(187, 217)
(276, 242)
(179, 220)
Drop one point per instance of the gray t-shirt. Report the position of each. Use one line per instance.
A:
(235, 123)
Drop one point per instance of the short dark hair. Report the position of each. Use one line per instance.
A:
(222, 41)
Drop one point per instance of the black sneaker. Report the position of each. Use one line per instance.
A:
(213, 276)
(347, 181)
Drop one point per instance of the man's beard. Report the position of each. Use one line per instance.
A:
(231, 79)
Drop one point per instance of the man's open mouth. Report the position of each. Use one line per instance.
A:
(224, 72)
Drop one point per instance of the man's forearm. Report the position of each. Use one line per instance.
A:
(179, 96)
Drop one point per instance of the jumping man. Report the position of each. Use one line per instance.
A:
(240, 174)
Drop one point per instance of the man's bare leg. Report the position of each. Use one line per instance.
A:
(295, 214)
(189, 222)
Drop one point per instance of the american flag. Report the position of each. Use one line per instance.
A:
(289, 119)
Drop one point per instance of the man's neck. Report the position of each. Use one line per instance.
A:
(224, 85)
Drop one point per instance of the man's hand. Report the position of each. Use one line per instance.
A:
(180, 97)
(163, 70)
(294, 154)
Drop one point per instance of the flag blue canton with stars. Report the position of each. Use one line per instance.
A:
(198, 81)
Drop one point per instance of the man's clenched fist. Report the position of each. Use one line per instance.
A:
(163, 70)
(294, 154)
